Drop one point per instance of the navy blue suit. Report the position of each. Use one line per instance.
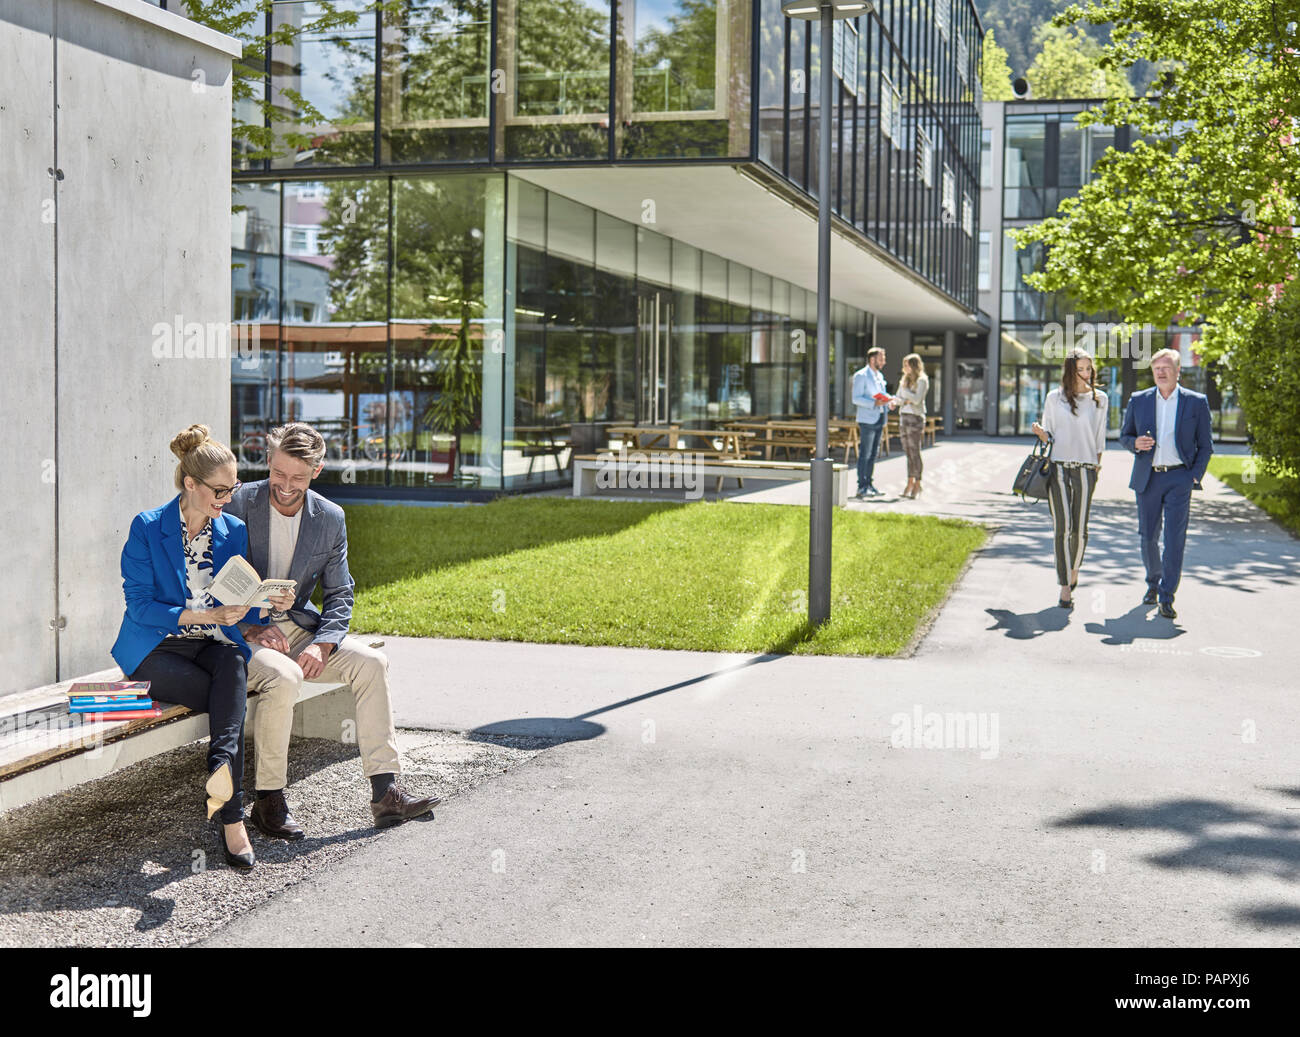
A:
(1165, 498)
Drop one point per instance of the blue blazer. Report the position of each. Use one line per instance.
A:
(1191, 433)
(153, 579)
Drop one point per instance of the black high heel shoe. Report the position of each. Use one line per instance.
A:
(1065, 603)
(241, 861)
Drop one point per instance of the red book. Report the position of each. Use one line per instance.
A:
(881, 397)
(124, 714)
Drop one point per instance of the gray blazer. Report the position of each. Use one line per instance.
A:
(320, 556)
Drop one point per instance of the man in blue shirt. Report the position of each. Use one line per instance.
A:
(868, 386)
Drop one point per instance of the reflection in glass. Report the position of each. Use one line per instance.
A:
(439, 310)
(334, 360)
(333, 69)
(436, 81)
(255, 297)
(556, 63)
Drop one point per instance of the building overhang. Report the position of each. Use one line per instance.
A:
(741, 214)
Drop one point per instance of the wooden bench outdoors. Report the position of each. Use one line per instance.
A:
(674, 466)
(705, 444)
(44, 749)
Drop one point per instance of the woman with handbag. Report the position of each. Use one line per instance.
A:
(1074, 421)
(912, 390)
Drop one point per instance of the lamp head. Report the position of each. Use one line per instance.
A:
(811, 10)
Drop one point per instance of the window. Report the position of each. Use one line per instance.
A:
(967, 215)
(986, 261)
(844, 53)
(891, 111)
(887, 95)
(949, 196)
(924, 157)
(986, 158)
(963, 58)
(943, 17)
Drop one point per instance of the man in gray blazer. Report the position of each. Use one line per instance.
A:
(296, 534)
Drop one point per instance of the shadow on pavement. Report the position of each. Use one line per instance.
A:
(580, 728)
(1220, 838)
(1027, 625)
(1140, 621)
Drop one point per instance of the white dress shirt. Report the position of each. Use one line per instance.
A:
(1166, 451)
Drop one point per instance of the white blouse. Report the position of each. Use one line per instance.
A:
(913, 399)
(1080, 436)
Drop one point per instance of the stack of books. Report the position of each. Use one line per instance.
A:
(112, 700)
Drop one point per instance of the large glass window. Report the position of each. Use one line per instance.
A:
(445, 332)
(555, 62)
(685, 90)
(334, 360)
(1024, 169)
(436, 81)
(332, 67)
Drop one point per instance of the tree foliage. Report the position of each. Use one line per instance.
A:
(1267, 380)
(1193, 224)
(995, 73)
(1068, 65)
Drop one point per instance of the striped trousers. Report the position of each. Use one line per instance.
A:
(1069, 496)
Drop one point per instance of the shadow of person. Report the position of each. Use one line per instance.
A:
(1027, 625)
(1140, 621)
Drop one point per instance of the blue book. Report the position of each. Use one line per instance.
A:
(109, 707)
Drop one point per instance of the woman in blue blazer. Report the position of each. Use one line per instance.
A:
(175, 635)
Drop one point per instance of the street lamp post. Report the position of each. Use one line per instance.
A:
(822, 467)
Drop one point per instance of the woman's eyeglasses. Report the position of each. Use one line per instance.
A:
(223, 492)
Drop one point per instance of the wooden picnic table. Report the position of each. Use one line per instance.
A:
(539, 441)
(770, 436)
(721, 444)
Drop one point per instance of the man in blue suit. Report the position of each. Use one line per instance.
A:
(1168, 429)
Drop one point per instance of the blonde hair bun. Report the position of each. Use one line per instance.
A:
(189, 439)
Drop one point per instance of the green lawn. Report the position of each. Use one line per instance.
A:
(1247, 476)
(704, 576)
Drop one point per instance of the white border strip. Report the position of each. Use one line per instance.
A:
(174, 23)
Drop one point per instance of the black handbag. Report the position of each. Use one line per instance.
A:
(1031, 480)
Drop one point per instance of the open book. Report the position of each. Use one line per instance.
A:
(239, 584)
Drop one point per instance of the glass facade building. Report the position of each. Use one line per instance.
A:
(455, 317)
(1044, 156)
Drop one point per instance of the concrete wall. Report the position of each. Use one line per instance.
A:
(141, 138)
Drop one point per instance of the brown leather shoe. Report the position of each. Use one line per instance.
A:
(398, 806)
(271, 816)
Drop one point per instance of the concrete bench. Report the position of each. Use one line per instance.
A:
(672, 468)
(44, 750)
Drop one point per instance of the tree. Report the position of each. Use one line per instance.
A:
(995, 73)
(1193, 224)
(1068, 65)
(1267, 380)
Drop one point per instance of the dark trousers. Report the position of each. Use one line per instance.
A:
(210, 677)
(868, 444)
(1166, 501)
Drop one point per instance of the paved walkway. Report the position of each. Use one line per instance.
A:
(1128, 780)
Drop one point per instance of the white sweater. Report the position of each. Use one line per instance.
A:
(1076, 437)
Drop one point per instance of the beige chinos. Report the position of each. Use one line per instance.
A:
(277, 678)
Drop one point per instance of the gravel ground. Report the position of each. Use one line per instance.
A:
(130, 860)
